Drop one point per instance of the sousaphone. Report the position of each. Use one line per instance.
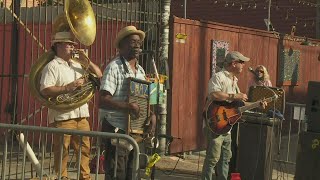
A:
(78, 16)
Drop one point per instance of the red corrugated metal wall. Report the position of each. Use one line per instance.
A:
(28, 52)
(190, 71)
(5, 86)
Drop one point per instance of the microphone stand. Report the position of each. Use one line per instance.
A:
(273, 118)
(156, 111)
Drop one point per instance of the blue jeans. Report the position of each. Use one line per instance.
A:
(218, 148)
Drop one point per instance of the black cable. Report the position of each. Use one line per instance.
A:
(198, 165)
(169, 172)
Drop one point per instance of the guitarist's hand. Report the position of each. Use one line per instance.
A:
(241, 97)
(263, 104)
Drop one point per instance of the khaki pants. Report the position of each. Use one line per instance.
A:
(75, 124)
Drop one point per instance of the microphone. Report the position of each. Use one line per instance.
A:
(146, 51)
(253, 72)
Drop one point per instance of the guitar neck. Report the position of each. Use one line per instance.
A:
(254, 105)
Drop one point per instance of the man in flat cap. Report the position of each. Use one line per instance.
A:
(223, 87)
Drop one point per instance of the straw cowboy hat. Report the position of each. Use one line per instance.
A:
(63, 37)
(126, 31)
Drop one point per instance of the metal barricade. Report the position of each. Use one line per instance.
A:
(39, 166)
(295, 121)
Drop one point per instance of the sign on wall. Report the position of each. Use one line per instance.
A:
(219, 51)
(289, 67)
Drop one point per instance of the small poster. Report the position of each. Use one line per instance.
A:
(289, 67)
(219, 51)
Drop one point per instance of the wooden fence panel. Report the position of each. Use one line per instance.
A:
(190, 65)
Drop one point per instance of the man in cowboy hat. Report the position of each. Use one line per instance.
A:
(114, 107)
(63, 75)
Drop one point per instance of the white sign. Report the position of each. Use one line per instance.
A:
(298, 113)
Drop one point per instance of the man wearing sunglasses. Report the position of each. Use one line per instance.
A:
(223, 87)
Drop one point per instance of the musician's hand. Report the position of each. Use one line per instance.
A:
(152, 120)
(74, 85)
(134, 110)
(263, 104)
(241, 97)
(83, 58)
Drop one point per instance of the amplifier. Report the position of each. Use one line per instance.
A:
(308, 159)
(257, 93)
(259, 118)
(313, 106)
(256, 150)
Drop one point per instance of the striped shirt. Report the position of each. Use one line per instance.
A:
(58, 73)
(115, 81)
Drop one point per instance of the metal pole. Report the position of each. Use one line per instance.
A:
(318, 20)
(269, 14)
(185, 9)
(164, 58)
(14, 61)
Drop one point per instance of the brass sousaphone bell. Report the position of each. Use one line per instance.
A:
(79, 17)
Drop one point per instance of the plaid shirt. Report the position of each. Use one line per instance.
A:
(115, 81)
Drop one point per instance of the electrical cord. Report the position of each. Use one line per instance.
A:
(198, 166)
(169, 172)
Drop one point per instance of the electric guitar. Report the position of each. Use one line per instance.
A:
(220, 116)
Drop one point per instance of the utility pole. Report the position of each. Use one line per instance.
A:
(185, 9)
(318, 20)
(269, 16)
(164, 61)
(14, 61)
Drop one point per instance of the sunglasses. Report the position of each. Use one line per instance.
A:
(261, 71)
(239, 61)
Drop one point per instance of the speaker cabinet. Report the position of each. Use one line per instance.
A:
(257, 93)
(256, 149)
(308, 157)
(313, 106)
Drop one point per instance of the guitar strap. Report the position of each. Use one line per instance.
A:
(238, 129)
(237, 138)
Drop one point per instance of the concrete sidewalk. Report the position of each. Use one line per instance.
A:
(167, 168)
(171, 167)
